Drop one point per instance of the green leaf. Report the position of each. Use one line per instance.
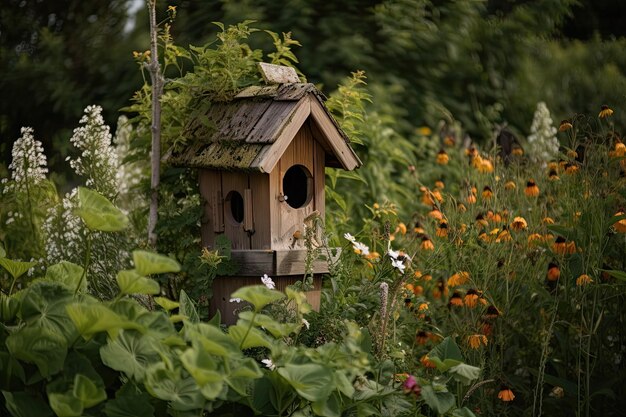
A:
(312, 381)
(68, 274)
(343, 383)
(300, 299)
(130, 282)
(463, 412)
(9, 307)
(98, 213)
(22, 404)
(165, 384)
(130, 353)
(212, 339)
(621, 275)
(328, 408)
(248, 337)
(16, 268)
(446, 354)
(3, 253)
(94, 318)
(187, 308)
(562, 230)
(268, 323)
(40, 346)
(465, 373)
(129, 402)
(243, 374)
(440, 401)
(65, 405)
(149, 263)
(44, 305)
(258, 295)
(166, 304)
(204, 371)
(87, 392)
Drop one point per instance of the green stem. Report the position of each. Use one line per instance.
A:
(86, 264)
(248, 331)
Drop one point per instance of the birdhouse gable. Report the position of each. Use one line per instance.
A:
(252, 131)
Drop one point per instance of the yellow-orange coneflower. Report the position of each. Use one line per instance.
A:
(435, 214)
(548, 220)
(532, 190)
(455, 300)
(519, 223)
(517, 151)
(619, 150)
(485, 166)
(418, 229)
(442, 229)
(605, 111)
(492, 313)
(449, 141)
(422, 337)
(439, 184)
(458, 278)
(481, 221)
(470, 199)
(461, 208)
(442, 157)
(427, 363)
(506, 394)
(486, 328)
(571, 168)
(584, 279)
(509, 185)
(401, 228)
(534, 239)
(620, 225)
(487, 192)
(554, 273)
(427, 244)
(562, 247)
(484, 237)
(471, 298)
(565, 125)
(440, 290)
(427, 197)
(437, 195)
(504, 235)
(476, 340)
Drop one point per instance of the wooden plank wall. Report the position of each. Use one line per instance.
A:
(212, 216)
(234, 181)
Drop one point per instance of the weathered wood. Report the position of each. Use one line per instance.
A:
(273, 119)
(261, 196)
(244, 119)
(248, 220)
(258, 91)
(234, 181)
(254, 262)
(293, 262)
(210, 193)
(333, 137)
(293, 91)
(278, 74)
(319, 177)
(223, 287)
(285, 135)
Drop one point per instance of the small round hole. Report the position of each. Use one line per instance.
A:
(297, 186)
(234, 206)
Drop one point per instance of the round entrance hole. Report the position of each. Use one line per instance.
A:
(298, 186)
(234, 206)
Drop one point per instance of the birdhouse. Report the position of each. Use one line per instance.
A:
(261, 160)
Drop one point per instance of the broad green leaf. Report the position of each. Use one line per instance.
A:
(621, 275)
(443, 366)
(16, 268)
(440, 401)
(130, 282)
(562, 230)
(87, 392)
(165, 384)
(94, 318)
(129, 402)
(187, 308)
(130, 353)
(166, 304)
(343, 383)
(212, 339)
(268, 323)
(465, 373)
(3, 253)
(98, 213)
(11, 370)
(9, 307)
(258, 295)
(204, 371)
(300, 299)
(149, 263)
(65, 405)
(463, 412)
(312, 381)
(330, 407)
(40, 346)
(44, 305)
(447, 349)
(247, 338)
(68, 274)
(22, 404)
(242, 376)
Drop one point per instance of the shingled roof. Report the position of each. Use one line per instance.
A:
(252, 131)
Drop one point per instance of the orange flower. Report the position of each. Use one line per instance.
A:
(475, 340)
(506, 394)
(485, 166)
(435, 214)
(605, 111)
(519, 223)
(583, 280)
(471, 199)
(548, 220)
(563, 247)
(442, 230)
(509, 185)
(565, 125)
(455, 300)
(571, 168)
(422, 307)
(458, 278)
(401, 228)
(492, 313)
(442, 157)
(554, 272)
(461, 208)
(418, 228)
(531, 188)
(471, 298)
(534, 239)
(553, 175)
(427, 244)
(504, 236)
(441, 289)
(427, 363)
(487, 192)
(439, 184)
(517, 151)
(480, 220)
(620, 225)
(422, 337)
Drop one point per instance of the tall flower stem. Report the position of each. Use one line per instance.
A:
(86, 263)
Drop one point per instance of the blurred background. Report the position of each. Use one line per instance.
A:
(479, 63)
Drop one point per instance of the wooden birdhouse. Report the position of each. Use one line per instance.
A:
(261, 160)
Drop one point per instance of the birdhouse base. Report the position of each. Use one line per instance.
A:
(224, 286)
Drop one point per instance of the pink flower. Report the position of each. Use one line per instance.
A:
(411, 386)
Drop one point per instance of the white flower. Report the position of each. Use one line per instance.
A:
(361, 248)
(398, 264)
(235, 300)
(351, 238)
(268, 282)
(269, 364)
(306, 323)
(29, 164)
(393, 254)
(542, 143)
